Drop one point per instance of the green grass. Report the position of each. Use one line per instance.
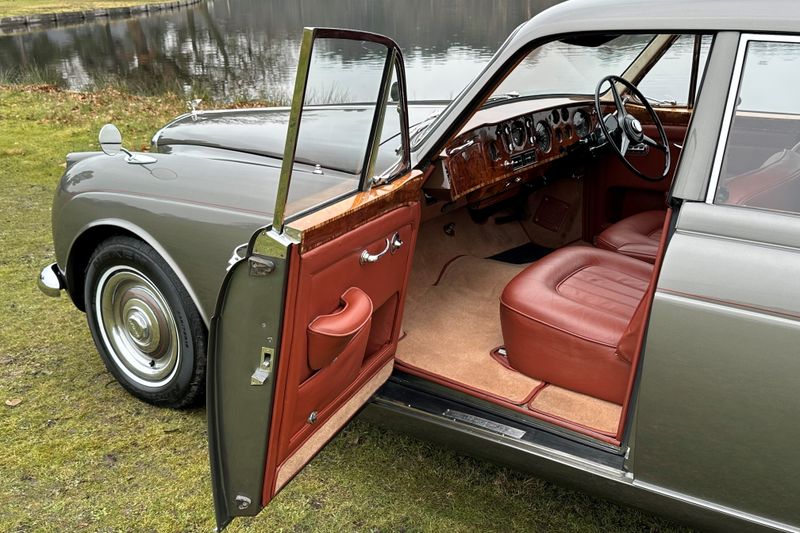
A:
(78, 453)
(34, 7)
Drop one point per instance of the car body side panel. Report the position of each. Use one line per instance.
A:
(193, 210)
(548, 463)
(718, 406)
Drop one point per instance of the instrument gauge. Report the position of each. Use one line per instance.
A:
(518, 133)
(582, 123)
(543, 139)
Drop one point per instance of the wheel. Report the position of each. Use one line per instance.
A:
(146, 328)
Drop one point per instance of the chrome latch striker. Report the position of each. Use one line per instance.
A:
(262, 373)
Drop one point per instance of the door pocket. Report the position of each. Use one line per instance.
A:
(325, 385)
(329, 335)
(384, 323)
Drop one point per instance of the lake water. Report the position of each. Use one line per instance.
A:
(230, 49)
(248, 48)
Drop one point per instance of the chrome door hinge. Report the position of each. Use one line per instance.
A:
(262, 373)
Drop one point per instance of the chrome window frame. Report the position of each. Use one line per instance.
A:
(730, 104)
(393, 64)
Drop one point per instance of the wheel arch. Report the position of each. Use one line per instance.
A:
(89, 238)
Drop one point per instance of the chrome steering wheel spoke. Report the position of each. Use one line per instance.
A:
(631, 131)
(653, 144)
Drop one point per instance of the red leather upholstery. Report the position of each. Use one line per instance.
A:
(563, 319)
(329, 335)
(636, 236)
(774, 185)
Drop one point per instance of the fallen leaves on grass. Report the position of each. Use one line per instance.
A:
(13, 402)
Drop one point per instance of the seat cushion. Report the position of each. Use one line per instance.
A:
(564, 316)
(636, 236)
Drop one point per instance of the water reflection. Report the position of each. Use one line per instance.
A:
(248, 48)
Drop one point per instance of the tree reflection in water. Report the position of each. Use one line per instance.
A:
(245, 49)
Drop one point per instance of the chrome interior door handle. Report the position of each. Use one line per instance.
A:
(392, 245)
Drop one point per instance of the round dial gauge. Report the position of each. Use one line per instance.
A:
(518, 133)
(543, 140)
(582, 123)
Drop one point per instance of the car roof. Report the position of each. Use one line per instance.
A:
(762, 16)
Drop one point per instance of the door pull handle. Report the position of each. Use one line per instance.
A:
(392, 245)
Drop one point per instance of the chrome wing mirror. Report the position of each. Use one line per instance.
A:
(111, 143)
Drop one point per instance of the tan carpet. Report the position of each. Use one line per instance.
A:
(435, 247)
(576, 407)
(452, 327)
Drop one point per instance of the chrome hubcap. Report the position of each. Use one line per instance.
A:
(137, 326)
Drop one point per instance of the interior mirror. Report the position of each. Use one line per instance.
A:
(110, 140)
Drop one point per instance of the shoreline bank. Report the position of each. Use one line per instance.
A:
(22, 22)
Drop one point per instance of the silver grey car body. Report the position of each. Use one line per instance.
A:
(712, 435)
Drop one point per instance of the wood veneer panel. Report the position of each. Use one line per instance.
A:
(337, 219)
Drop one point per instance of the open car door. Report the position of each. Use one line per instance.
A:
(307, 324)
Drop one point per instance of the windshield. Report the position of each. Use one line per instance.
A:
(559, 67)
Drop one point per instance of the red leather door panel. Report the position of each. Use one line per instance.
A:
(343, 331)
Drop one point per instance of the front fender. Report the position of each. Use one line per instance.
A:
(192, 210)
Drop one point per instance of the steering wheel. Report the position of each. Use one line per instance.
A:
(623, 130)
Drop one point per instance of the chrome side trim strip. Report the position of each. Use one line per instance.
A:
(721, 509)
(730, 238)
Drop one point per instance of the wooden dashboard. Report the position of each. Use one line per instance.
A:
(509, 141)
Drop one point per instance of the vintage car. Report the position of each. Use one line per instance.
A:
(565, 269)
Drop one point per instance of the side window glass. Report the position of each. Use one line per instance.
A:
(659, 83)
(340, 108)
(761, 163)
(341, 96)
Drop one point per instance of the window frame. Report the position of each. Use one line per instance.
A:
(730, 105)
(695, 74)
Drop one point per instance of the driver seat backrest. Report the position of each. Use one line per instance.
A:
(637, 236)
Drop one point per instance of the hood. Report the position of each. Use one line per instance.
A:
(334, 137)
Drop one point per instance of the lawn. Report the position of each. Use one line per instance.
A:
(34, 7)
(81, 454)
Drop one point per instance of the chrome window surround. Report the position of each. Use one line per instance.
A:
(392, 64)
(733, 93)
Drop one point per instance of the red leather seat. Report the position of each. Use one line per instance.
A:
(571, 319)
(636, 236)
(774, 185)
